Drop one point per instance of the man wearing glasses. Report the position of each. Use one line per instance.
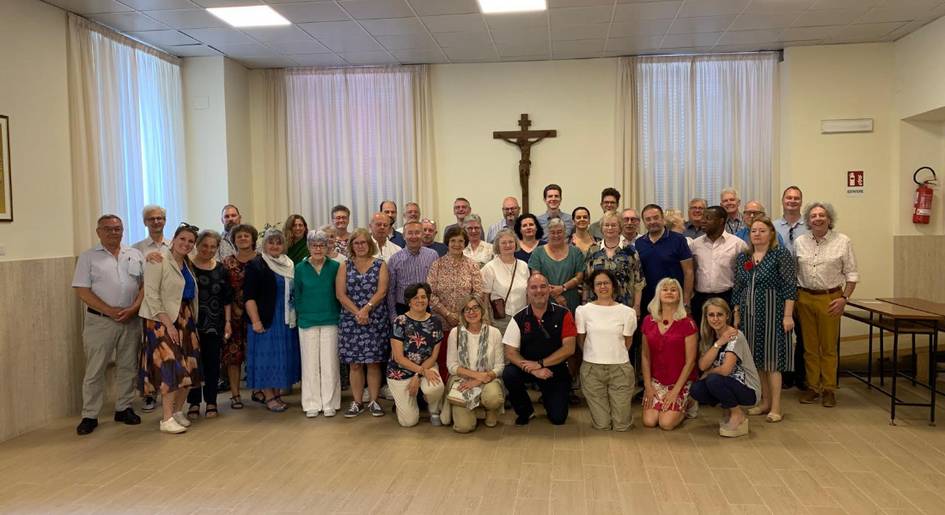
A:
(695, 226)
(155, 217)
(631, 228)
(609, 200)
(510, 212)
(754, 210)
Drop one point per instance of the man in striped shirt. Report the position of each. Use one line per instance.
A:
(408, 266)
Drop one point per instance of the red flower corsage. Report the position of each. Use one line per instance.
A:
(528, 327)
(749, 265)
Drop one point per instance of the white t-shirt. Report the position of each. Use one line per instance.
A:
(605, 327)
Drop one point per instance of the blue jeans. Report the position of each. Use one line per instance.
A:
(723, 390)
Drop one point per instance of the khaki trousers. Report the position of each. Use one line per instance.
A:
(492, 398)
(608, 390)
(103, 338)
(820, 332)
(408, 412)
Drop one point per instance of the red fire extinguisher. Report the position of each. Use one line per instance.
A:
(922, 200)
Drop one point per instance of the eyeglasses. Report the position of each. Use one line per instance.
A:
(113, 230)
(155, 219)
(470, 309)
(790, 233)
(189, 227)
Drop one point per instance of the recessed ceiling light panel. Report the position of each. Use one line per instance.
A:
(249, 16)
(511, 6)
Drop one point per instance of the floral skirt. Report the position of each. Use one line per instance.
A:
(662, 390)
(167, 366)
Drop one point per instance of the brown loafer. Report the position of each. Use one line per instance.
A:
(809, 397)
(830, 399)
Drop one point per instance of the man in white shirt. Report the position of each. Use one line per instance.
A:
(714, 254)
(380, 228)
(230, 217)
(108, 280)
(155, 217)
(510, 212)
(631, 227)
(461, 208)
(731, 203)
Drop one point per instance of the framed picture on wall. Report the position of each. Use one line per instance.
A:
(6, 189)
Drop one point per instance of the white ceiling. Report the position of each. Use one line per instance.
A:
(356, 32)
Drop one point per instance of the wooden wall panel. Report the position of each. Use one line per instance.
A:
(919, 267)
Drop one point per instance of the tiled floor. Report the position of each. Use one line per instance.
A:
(843, 460)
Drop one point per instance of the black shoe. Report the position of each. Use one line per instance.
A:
(523, 420)
(128, 416)
(86, 426)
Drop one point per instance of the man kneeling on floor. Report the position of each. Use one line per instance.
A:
(538, 343)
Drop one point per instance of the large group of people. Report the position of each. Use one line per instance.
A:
(699, 310)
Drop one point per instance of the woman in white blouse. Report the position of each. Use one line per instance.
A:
(478, 249)
(826, 277)
(475, 359)
(505, 278)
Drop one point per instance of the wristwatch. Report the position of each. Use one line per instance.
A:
(541, 363)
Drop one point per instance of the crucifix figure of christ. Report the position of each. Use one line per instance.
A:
(524, 139)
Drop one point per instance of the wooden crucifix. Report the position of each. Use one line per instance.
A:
(524, 139)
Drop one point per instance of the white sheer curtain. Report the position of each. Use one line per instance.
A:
(689, 126)
(357, 136)
(127, 128)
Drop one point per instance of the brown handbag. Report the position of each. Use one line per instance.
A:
(498, 305)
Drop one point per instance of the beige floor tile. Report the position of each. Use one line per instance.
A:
(567, 497)
(531, 506)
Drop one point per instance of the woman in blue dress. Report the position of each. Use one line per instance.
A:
(272, 353)
(363, 327)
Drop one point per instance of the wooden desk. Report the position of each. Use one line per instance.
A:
(897, 319)
(928, 306)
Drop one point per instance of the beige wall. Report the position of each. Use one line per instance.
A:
(33, 94)
(577, 98)
(239, 171)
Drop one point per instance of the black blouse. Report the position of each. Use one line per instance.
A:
(213, 295)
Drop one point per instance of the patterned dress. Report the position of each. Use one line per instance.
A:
(625, 265)
(452, 280)
(760, 293)
(234, 350)
(419, 338)
(364, 343)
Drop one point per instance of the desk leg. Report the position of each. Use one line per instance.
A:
(933, 369)
(895, 373)
(869, 358)
(882, 367)
(915, 361)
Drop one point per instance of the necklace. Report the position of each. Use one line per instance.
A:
(608, 247)
(665, 322)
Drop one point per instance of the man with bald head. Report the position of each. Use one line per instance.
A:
(753, 211)
(380, 228)
(538, 343)
(510, 212)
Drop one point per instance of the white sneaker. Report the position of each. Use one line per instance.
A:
(312, 413)
(385, 393)
(171, 426)
(329, 412)
(181, 418)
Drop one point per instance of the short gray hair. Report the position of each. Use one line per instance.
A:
(472, 217)
(502, 234)
(318, 236)
(152, 207)
(554, 222)
(831, 213)
(273, 234)
(731, 190)
(207, 233)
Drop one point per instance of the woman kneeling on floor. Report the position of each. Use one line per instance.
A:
(415, 345)
(730, 377)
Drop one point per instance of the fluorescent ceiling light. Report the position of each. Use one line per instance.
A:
(251, 16)
(511, 6)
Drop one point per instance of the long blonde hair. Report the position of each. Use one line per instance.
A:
(655, 307)
(706, 333)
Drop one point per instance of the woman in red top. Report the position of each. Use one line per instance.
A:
(669, 357)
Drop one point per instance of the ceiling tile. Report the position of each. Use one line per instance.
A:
(584, 46)
(191, 51)
(694, 8)
(91, 6)
(778, 6)
(454, 23)
(164, 38)
(369, 58)
(394, 27)
(376, 9)
(844, 4)
(690, 40)
(187, 19)
(438, 7)
(311, 12)
(909, 4)
(158, 5)
(533, 48)
(763, 21)
(774, 45)
(330, 28)
(507, 37)
(217, 37)
(646, 11)
(701, 24)
(575, 32)
(824, 17)
(516, 20)
(552, 4)
(580, 15)
(462, 39)
(865, 31)
(886, 14)
(129, 22)
(246, 51)
(470, 52)
(749, 37)
(225, 3)
(298, 47)
(633, 43)
(260, 63)
(807, 33)
(353, 42)
(316, 59)
(523, 58)
(419, 56)
(407, 42)
(277, 34)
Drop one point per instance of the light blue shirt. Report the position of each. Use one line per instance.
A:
(788, 232)
(566, 218)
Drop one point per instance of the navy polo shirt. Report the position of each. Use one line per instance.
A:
(662, 259)
(539, 338)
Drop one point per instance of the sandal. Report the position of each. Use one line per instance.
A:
(757, 410)
(236, 402)
(258, 396)
(278, 398)
(210, 412)
(193, 412)
(274, 406)
(773, 418)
